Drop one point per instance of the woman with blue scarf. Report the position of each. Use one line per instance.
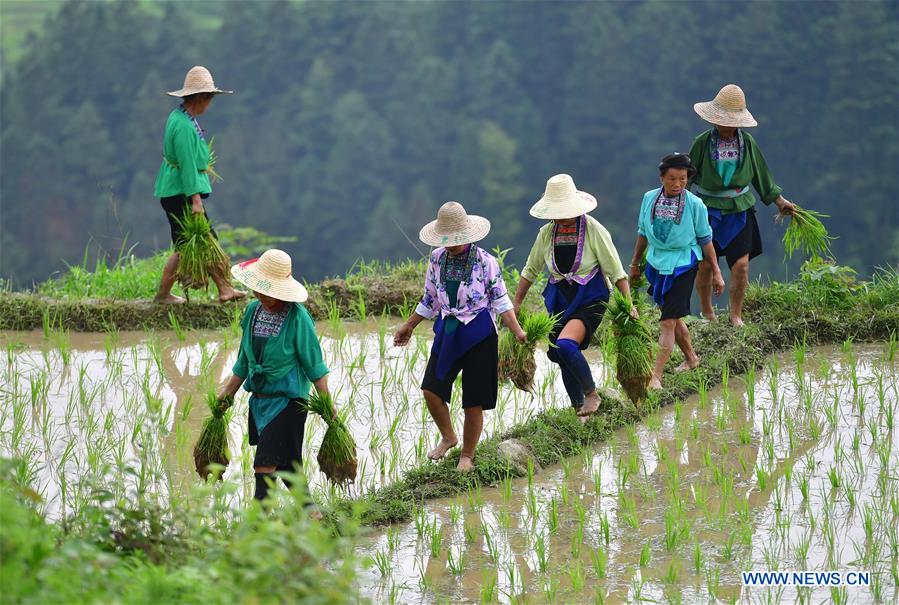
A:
(581, 259)
(279, 360)
(727, 161)
(673, 230)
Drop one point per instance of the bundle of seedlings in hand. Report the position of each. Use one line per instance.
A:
(633, 346)
(212, 446)
(337, 454)
(199, 253)
(516, 359)
(807, 233)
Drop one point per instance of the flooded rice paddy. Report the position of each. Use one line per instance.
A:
(793, 467)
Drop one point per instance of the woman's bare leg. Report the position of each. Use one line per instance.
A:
(441, 415)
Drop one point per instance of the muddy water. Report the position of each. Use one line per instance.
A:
(124, 409)
(796, 468)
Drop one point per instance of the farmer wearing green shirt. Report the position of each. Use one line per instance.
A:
(183, 180)
(582, 262)
(727, 161)
(279, 359)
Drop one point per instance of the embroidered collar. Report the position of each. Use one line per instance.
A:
(453, 269)
(571, 276)
(713, 144)
(681, 203)
(193, 119)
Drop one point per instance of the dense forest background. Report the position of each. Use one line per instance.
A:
(352, 122)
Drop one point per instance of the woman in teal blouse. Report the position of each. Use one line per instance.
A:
(279, 360)
(183, 180)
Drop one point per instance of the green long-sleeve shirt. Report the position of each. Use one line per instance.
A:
(752, 169)
(295, 351)
(185, 159)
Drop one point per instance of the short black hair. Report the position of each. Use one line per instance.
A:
(677, 160)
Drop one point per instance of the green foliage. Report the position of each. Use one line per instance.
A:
(195, 550)
(212, 445)
(633, 343)
(516, 359)
(352, 163)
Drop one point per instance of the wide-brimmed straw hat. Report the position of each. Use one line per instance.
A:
(270, 274)
(562, 200)
(728, 108)
(198, 79)
(454, 227)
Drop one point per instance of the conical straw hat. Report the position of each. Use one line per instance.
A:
(270, 274)
(197, 80)
(728, 108)
(454, 227)
(562, 200)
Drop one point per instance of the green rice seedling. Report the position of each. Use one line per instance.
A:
(200, 256)
(577, 575)
(542, 553)
(599, 558)
(645, 555)
(383, 563)
(671, 575)
(550, 589)
(633, 345)
(488, 592)
(176, 326)
(712, 581)
(212, 445)
(807, 234)
(516, 360)
(504, 517)
(435, 538)
(456, 562)
(490, 544)
(337, 453)
(470, 532)
(553, 515)
(604, 527)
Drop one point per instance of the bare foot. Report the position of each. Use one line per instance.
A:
(583, 419)
(654, 384)
(709, 317)
(687, 365)
(591, 404)
(465, 465)
(232, 295)
(171, 299)
(737, 322)
(442, 448)
(316, 515)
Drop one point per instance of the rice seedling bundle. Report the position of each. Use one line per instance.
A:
(212, 446)
(210, 166)
(807, 234)
(516, 359)
(337, 453)
(633, 346)
(199, 253)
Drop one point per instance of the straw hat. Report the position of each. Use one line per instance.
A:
(454, 227)
(562, 200)
(270, 275)
(728, 108)
(198, 79)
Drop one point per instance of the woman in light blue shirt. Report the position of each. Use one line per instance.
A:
(674, 232)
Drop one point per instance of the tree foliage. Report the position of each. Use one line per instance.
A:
(352, 122)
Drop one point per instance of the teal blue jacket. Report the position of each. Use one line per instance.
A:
(682, 239)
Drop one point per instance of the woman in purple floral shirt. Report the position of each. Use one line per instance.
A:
(464, 290)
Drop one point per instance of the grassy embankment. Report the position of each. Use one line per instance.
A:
(120, 295)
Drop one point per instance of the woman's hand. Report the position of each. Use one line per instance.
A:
(634, 313)
(785, 206)
(402, 335)
(634, 274)
(717, 282)
(520, 335)
(196, 204)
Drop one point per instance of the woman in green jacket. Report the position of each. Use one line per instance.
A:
(727, 161)
(183, 180)
(279, 359)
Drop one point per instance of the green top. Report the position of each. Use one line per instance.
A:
(294, 349)
(752, 169)
(598, 251)
(185, 158)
